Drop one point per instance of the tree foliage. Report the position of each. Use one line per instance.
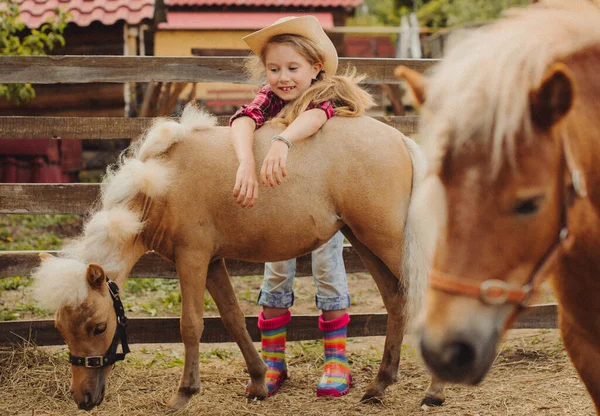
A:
(431, 13)
(449, 13)
(380, 12)
(16, 40)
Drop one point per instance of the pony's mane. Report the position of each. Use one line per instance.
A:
(480, 91)
(110, 230)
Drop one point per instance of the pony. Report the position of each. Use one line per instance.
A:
(171, 193)
(511, 120)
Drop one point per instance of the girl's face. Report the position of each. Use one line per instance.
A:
(289, 74)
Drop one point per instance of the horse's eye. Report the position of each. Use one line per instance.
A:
(528, 206)
(100, 328)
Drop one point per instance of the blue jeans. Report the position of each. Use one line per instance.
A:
(329, 274)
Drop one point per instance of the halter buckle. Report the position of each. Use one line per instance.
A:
(95, 361)
(494, 292)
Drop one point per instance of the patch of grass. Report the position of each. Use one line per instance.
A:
(36, 232)
(139, 286)
(15, 283)
(164, 358)
(209, 303)
(248, 295)
(220, 353)
(305, 352)
(172, 300)
(9, 315)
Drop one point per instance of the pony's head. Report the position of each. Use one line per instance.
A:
(85, 317)
(498, 113)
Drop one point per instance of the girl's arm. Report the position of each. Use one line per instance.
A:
(246, 183)
(305, 125)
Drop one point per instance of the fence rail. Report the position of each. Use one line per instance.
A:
(84, 69)
(19, 127)
(21, 263)
(302, 327)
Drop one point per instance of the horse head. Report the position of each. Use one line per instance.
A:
(90, 317)
(500, 224)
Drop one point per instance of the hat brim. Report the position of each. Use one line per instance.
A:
(306, 26)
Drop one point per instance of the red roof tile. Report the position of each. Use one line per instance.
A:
(267, 3)
(34, 13)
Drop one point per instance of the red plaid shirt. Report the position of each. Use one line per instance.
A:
(267, 105)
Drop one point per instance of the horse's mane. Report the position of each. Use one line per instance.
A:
(114, 223)
(491, 70)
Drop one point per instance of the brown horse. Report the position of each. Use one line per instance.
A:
(513, 113)
(173, 195)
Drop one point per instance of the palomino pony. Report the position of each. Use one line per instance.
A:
(173, 195)
(513, 111)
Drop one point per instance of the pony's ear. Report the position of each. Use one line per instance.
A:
(553, 99)
(95, 276)
(46, 256)
(415, 80)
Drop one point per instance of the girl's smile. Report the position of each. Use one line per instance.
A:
(288, 72)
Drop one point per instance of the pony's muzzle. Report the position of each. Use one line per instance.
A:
(90, 392)
(87, 401)
(458, 359)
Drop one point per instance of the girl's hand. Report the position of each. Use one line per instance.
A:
(246, 185)
(273, 168)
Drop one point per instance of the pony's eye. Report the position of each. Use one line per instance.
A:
(528, 206)
(100, 329)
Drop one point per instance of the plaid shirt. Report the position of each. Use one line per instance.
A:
(267, 105)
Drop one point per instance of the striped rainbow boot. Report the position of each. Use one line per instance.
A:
(336, 377)
(273, 334)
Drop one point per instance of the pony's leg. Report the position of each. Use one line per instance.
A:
(219, 286)
(191, 268)
(394, 300)
(584, 354)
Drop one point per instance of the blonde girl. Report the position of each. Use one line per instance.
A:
(299, 62)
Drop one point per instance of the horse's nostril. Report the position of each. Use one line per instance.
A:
(460, 355)
(87, 404)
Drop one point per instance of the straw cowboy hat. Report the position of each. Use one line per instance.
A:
(306, 26)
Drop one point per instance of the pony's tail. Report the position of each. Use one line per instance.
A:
(416, 258)
(144, 171)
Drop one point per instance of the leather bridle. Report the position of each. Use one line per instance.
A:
(111, 356)
(499, 292)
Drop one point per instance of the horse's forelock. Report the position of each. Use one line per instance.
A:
(60, 282)
(480, 91)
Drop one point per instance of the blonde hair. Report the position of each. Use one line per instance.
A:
(347, 97)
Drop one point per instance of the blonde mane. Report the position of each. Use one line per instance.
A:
(109, 232)
(480, 90)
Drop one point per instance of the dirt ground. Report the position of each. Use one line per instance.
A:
(531, 376)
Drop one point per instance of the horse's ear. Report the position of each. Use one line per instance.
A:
(415, 80)
(553, 99)
(46, 256)
(95, 276)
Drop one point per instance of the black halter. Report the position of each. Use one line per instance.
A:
(111, 356)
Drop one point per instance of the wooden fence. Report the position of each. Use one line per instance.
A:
(78, 198)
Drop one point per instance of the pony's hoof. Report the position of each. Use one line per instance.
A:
(370, 398)
(430, 401)
(257, 393)
(177, 401)
(251, 397)
(257, 389)
(181, 398)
